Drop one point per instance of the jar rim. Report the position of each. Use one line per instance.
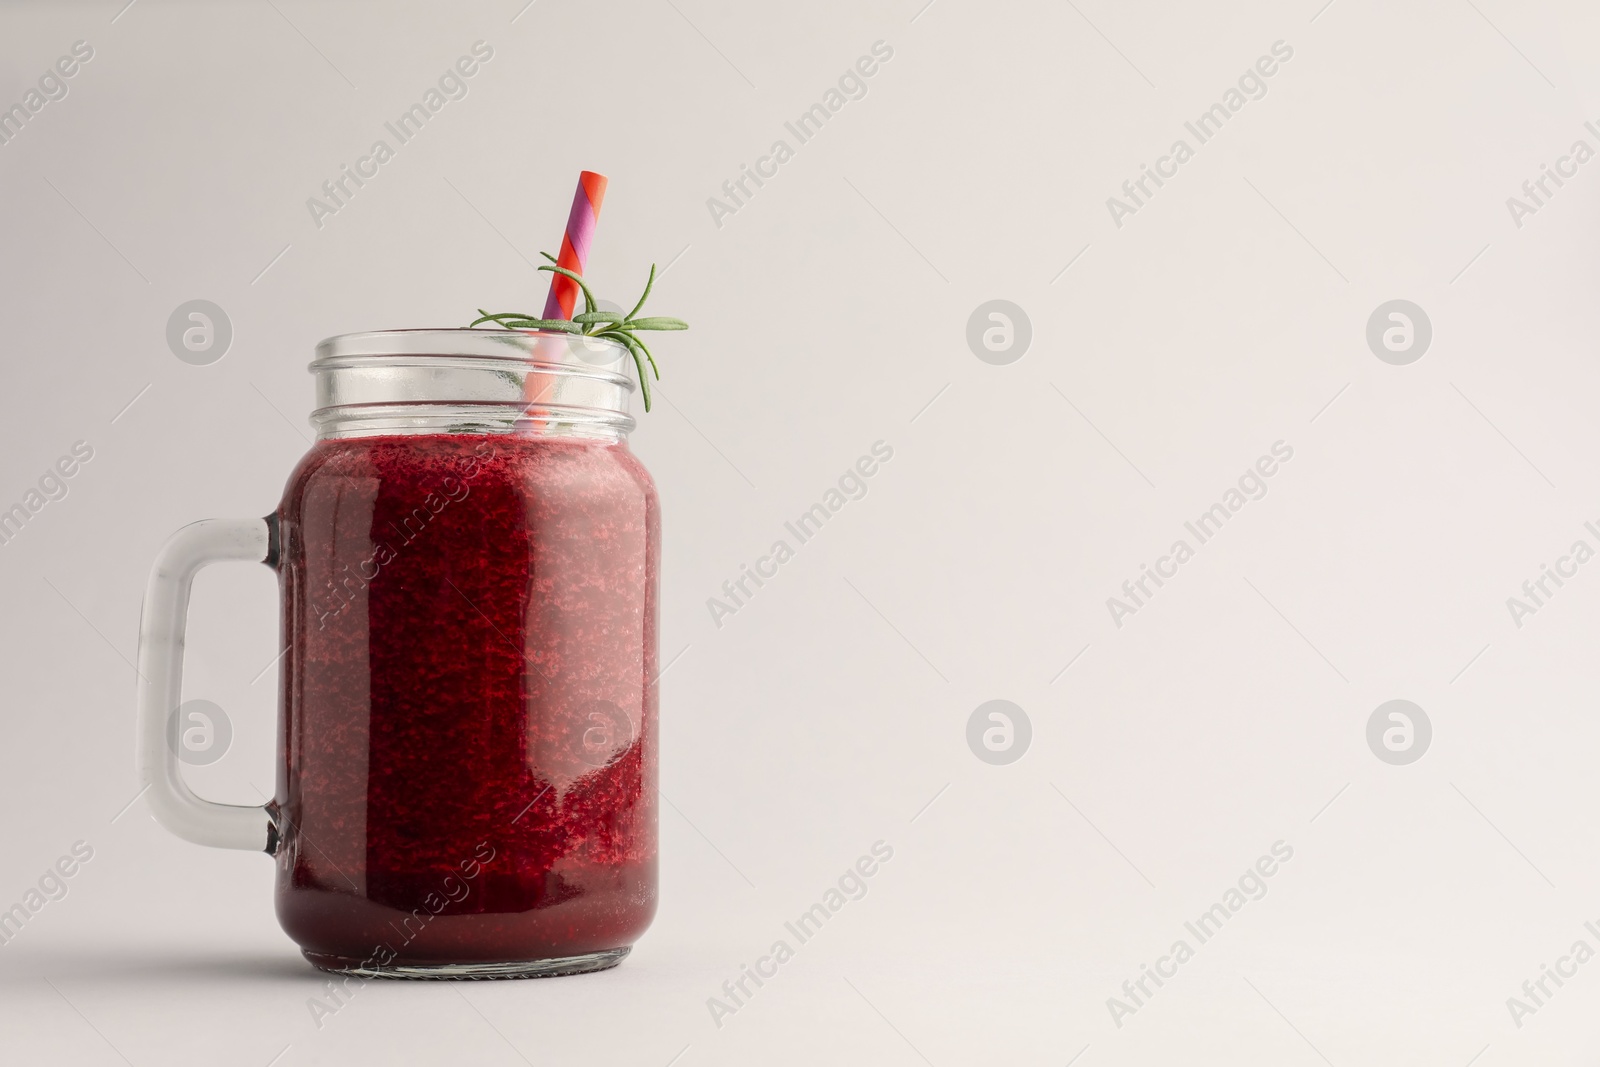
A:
(471, 380)
(549, 347)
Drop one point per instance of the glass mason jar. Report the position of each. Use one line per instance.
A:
(468, 560)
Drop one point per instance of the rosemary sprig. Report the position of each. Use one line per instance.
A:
(593, 322)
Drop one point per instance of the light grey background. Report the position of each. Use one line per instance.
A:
(830, 312)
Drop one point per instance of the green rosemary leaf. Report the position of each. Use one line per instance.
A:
(654, 369)
(597, 324)
(644, 382)
(486, 317)
(649, 283)
(589, 302)
(513, 320)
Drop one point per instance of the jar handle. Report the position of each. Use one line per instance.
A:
(161, 639)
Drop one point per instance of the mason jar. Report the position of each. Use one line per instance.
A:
(468, 559)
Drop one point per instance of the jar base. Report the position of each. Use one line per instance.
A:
(467, 972)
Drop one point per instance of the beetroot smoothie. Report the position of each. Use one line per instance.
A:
(469, 709)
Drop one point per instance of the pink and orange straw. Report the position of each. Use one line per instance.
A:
(585, 215)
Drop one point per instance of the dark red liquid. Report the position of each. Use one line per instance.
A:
(469, 714)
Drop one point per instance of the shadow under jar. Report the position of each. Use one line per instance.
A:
(468, 559)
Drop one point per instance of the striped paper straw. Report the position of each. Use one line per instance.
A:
(575, 244)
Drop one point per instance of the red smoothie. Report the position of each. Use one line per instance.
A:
(469, 708)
